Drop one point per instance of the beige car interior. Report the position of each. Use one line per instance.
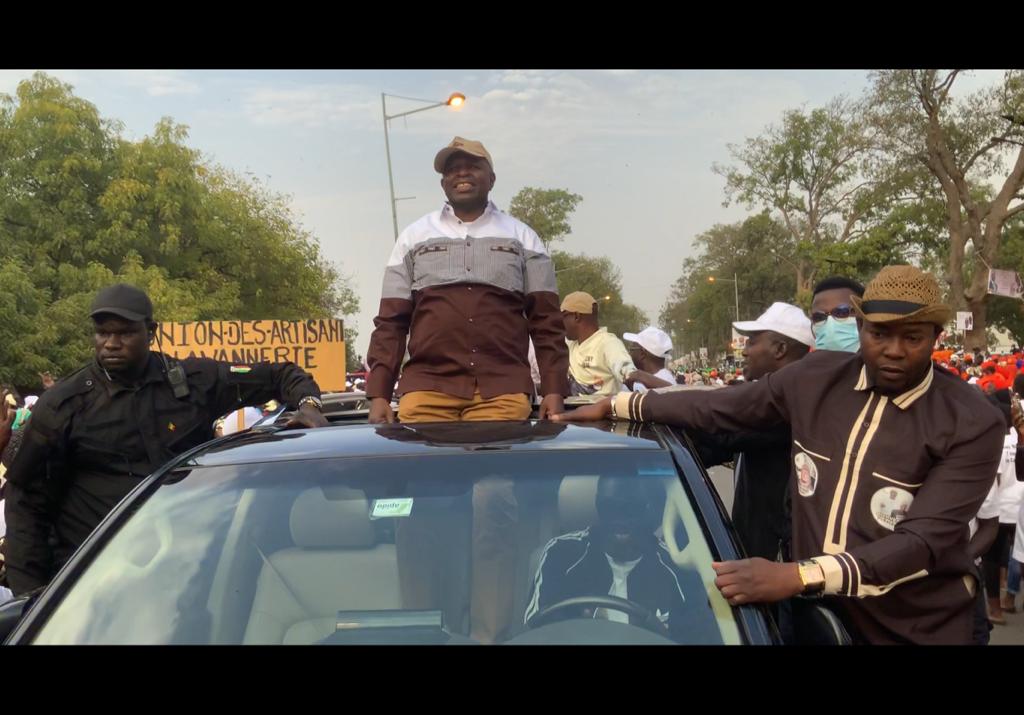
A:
(301, 588)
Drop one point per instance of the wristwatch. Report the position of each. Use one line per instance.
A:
(811, 576)
(310, 400)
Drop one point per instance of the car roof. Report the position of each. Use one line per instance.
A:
(423, 439)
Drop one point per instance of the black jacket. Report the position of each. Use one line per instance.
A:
(761, 503)
(574, 565)
(91, 440)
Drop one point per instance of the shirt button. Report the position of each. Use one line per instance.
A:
(468, 268)
(470, 288)
(472, 364)
(473, 350)
(471, 320)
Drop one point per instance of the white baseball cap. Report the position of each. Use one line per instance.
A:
(781, 318)
(656, 342)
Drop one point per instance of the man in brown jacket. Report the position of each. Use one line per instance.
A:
(469, 286)
(891, 460)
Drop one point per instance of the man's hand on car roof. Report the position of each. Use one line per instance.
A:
(380, 411)
(307, 416)
(551, 405)
(587, 413)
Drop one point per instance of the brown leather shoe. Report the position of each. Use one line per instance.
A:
(995, 612)
(1006, 602)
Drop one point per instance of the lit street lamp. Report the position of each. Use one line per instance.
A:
(456, 100)
(736, 285)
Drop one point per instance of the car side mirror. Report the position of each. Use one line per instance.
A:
(11, 613)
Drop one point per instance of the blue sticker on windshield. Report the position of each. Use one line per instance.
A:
(656, 472)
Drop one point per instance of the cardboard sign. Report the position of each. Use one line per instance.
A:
(317, 346)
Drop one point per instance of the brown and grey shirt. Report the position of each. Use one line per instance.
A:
(469, 295)
(883, 486)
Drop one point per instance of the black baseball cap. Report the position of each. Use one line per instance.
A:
(124, 301)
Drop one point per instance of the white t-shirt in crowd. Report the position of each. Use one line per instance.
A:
(1011, 492)
(993, 506)
(620, 574)
(663, 373)
(249, 417)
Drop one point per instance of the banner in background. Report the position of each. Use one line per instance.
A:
(317, 346)
(964, 320)
(1006, 283)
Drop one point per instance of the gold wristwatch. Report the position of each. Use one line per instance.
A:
(812, 576)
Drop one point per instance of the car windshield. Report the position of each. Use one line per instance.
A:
(488, 546)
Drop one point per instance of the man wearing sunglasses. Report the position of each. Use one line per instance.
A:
(832, 318)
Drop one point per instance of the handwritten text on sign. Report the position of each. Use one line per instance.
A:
(317, 346)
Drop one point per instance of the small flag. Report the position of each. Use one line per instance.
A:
(241, 368)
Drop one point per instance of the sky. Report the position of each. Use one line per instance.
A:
(638, 145)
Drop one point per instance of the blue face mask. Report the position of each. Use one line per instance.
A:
(837, 335)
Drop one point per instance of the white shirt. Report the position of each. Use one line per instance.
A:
(1010, 490)
(620, 574)
(248, 417)
(443, 222)
(663, 373)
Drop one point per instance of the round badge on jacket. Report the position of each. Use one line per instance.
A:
(806, 474)
(889, 506)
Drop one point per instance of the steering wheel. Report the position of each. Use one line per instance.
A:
(631, 608)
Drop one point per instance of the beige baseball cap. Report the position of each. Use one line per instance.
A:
(578, 302)
(465, 146)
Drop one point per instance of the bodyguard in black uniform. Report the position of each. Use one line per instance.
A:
(97, 433)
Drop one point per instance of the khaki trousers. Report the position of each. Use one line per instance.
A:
(422, 543)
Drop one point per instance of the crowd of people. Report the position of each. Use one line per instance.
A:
(875, 476)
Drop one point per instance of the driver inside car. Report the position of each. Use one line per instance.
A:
(619, 555)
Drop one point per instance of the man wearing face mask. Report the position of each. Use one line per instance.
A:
(832, 318)
(891, 460)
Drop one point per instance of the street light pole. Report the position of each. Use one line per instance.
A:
(736, 289)
(387, 150)
(456, 100)
(736, 285)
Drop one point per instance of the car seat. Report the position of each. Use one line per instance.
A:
(335, 564)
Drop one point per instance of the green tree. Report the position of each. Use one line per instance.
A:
(81, 207)
(973, 149)
(818, 171)
(546, 211)
(600, 278)
(758, 252)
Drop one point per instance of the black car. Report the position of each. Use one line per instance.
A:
(489, 532)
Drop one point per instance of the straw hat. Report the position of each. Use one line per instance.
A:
(902, 294)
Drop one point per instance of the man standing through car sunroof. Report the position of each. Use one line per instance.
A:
(469, 286)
